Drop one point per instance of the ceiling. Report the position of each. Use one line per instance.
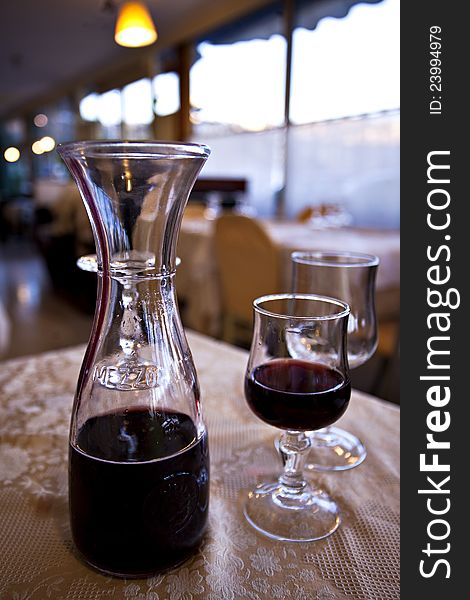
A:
(48, 45)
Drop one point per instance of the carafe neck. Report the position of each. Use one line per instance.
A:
(135, 194)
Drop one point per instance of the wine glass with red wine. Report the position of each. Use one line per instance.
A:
(351, 277)
(297, 396)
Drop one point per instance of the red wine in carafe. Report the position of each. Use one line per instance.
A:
(139, 490)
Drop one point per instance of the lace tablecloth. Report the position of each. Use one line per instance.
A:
(360, 560)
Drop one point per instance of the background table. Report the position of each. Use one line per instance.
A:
(290, 236)
(197, 278)
(358, 561)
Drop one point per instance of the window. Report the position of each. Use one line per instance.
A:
(109, 108)
(347, 66)
(89, 107)
(106, 109)
(240, 85)
(167, 94)
(137, 103)
(341, 68)
(137, 109)
(237, 95)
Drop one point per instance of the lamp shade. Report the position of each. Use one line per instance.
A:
(134, 26)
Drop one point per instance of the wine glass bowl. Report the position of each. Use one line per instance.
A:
(296, 395)
(349, 276)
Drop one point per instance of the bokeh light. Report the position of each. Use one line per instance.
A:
(11, 154)
(40, 120)
(47, 143)
(37, 148)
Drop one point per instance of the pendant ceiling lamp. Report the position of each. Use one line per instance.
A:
(134, 26)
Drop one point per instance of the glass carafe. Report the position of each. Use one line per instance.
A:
(138, 461)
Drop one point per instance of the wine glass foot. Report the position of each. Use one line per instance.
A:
(334, 449)
(306, 517)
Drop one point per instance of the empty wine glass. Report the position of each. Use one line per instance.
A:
(351, 277)
(297, 395)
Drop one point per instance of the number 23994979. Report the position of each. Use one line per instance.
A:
(435, 68)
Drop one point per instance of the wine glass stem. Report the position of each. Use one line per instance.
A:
(294, 447)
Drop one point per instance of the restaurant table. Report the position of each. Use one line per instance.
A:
(360, 560)
(290, 236)
(197, 278)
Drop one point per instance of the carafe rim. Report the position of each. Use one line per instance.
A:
(134, 149)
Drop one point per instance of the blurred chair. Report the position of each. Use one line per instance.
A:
(388, 334)
(249, 266)
(63, 233)
(195, 210)
(387, 383)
